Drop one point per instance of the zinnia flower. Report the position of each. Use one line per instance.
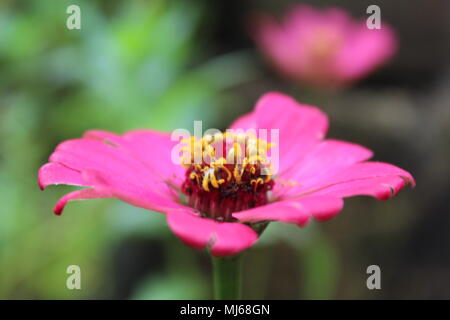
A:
(323, 47)
(222, 201)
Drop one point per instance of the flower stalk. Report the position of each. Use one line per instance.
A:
(227, 273)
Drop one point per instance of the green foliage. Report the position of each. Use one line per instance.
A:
(132, 65)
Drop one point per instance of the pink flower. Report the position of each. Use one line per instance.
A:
(224, 202)
(323, 47)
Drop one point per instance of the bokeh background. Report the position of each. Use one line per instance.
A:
(164, 64)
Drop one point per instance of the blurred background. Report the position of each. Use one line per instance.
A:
(162, 65)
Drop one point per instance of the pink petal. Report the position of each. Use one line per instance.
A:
(55, 173)
(365, 50)
(372, 173)
(80, 154)
(381, 188)
(277, 45)
(83, 194)
(297, 211)
(305, 19)
(301, 127)
(143, 145)
(326, 158)
(115, 166)
(223, 238)
(111, 160)
(158, 198)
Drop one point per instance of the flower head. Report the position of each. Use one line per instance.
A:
(227, 184)
(323, 47)
(232, 174)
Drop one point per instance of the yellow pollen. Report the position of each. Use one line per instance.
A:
(205, 183)
(256, 181)
(246, 155)
(193, 176)
(289, 183)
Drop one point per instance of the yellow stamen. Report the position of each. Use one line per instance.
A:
(213, 180)
(247, 154)
(237, 175)
(193, 176)
(205, 183)
(256, 182)
(289, 183)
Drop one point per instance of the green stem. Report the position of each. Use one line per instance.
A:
(227, 277)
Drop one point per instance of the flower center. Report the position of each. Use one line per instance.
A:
(226, 173)
(325, 43)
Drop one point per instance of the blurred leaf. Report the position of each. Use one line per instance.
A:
(132, 65)
(321, 268)
(178, 287)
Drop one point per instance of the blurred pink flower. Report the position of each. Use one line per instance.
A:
(224, 201)
(323, 47)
